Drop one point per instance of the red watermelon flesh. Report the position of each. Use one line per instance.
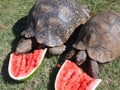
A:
(71, 77)
(22, 66)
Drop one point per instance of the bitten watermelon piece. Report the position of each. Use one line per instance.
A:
(71, 77)
(23, 66)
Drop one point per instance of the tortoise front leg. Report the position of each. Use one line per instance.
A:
(92, 65)
(57, 50)
(93, 69)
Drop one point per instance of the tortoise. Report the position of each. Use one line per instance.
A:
(51, 23)
(98, 40)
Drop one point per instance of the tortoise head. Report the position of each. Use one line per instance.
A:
(24, 46)
(81, 57)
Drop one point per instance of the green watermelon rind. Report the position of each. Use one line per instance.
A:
(31, 74)
(59, 73)
(96, 83)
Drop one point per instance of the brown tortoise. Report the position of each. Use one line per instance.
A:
(52, 22)
(99, 38)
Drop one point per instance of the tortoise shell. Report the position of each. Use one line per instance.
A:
(100, 37)
(52, 22)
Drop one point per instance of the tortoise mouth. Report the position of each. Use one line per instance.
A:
(32, 49)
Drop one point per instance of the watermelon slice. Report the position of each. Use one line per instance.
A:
(23, 66)
(71, 77)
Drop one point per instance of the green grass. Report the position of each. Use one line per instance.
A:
(12, 22)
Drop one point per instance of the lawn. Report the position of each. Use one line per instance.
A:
(13, 21)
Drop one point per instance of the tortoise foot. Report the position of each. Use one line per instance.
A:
(57, 50)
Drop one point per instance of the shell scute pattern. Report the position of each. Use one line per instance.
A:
(52, 22)
(100, 37)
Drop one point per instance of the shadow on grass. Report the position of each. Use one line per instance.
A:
(52, 79)
(18, 27)
(52, 76)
